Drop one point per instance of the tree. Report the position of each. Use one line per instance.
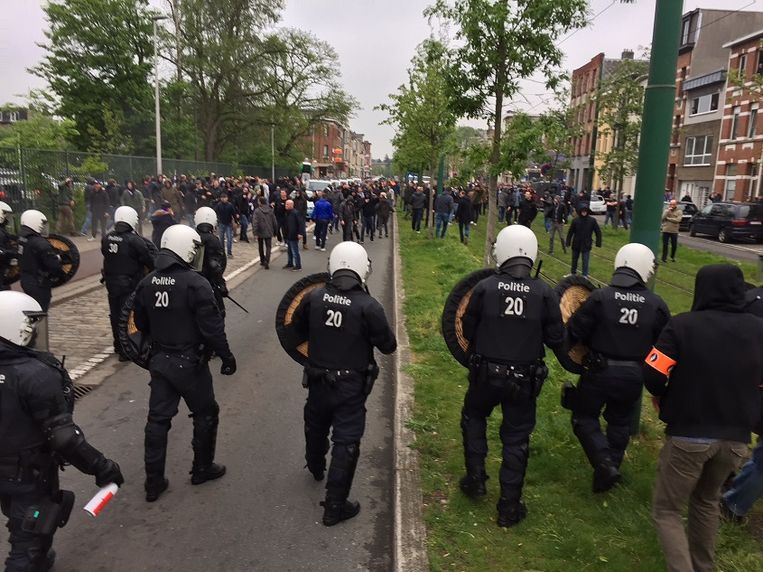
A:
(97, 63)
(422, 113)
(498, 43)
(620, 101)
(40, 131)
(521, 143)
(559, 130)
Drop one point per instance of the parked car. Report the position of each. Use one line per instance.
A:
(688, 210)
(729, 221)
(597, 205)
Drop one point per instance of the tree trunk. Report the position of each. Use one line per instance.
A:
(432, 191)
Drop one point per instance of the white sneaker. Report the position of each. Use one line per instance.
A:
(90, 238)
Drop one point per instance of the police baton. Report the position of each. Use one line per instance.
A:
(236, 303)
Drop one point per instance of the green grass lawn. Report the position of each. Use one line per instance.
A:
(568, 528)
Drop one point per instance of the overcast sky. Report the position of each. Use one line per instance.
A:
(375, 40)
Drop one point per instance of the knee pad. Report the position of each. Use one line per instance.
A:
(209, 416)
(158, 425)
(345, 455)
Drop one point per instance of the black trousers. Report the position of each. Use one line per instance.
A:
(368, 227)
(32, 287)
(28, 551)
(517, 425)
(340, 408)
(615, 391)
(264, 244)
(416, 219)
(321, 228)
(175, 376)
(672, 238)
(347, 230)
(116, 303)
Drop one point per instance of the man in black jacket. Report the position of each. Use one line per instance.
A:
(175, 306)
(126, 257)
(214, 263)
(580, 236)
(705, 369)
(39, 260)
(618, 324)
(100, 204)
(294, 229)
(418, 202)
(527, 210)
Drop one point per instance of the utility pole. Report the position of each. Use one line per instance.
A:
(157, 110)
(654, 146)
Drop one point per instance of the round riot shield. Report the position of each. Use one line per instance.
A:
(69, 254)
(295, 344)
(573, 291)
(12, 271)
(453, 313)
(152, 250)
(135, 344)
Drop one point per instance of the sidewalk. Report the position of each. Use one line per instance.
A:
(79, 325)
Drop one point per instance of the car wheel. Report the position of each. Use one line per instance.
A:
(724, 236)
(692, 231)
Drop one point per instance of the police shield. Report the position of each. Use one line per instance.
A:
(573, 291)
(295, 344)
(453, 313)
(69, 254)
(135, 344)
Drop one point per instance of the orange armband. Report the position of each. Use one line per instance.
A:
(661, 362)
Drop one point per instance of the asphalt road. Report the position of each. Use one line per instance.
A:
(264, 514)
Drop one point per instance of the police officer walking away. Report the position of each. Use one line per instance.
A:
(213, 265)
(619, 324)
(8, 254)
(342, 324)
(126, 257)
(38, 435)
(509, 305)
(38, 258)
(175, 306)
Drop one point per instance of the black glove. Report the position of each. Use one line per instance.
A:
(229, 365)
(109, 472)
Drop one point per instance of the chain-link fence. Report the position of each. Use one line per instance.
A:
(29, 178)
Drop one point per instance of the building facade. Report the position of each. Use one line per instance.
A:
(337, 152)
(585, 83)
(740, 150)
(700, 98)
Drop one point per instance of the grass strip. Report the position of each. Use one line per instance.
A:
(568, 527)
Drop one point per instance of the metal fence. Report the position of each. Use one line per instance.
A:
(29, 178)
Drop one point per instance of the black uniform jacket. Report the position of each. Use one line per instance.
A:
(176, 307)
(125, 259)
(39, 260)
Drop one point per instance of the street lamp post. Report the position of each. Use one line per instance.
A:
(156, 96)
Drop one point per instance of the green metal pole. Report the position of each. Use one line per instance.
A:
(656, 128)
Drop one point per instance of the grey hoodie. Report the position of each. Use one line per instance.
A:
(264, 223)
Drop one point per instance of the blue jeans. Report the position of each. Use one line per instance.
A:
(501, 213)
(441, 221)
(87, 225)
(586, 256)
(294, 259)
(611, 216)
(748, 484)
(244, 222)
(548, 222)
(226, 231)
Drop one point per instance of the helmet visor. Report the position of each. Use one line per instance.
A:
(197, 263)
(34, 332)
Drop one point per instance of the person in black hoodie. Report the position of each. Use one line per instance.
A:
(580, 236)
(528, 210)
(705, 370)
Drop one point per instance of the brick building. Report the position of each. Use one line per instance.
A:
(740, 151)
(585, 82)
(700, 92)
(337, 152)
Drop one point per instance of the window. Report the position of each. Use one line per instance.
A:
(753, 125)
(685, 29)
(759, 67)
(698, 150)
(742, 65)
(734, 123)
(731, 183)
(13, 116)
(325, 151)
(325, 132)
(705, 103)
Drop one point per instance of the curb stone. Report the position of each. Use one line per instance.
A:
(409, 530)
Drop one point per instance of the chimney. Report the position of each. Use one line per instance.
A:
(627, 55)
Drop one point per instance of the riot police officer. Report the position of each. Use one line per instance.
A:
(213, 265)
(38, 435)
(342, 324)
(39, 260)
(126, 256)
(8, 254)
(175, 307)
(509, 318)
(619, 324)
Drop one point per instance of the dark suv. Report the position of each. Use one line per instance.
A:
(729, 221)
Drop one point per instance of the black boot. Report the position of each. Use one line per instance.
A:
(605, 476)
(209, 473)
(510, 512)
(155, 488)
(335, 512)
(473, 484)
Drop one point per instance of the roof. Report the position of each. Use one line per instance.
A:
(743, 39)
(717, 76)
